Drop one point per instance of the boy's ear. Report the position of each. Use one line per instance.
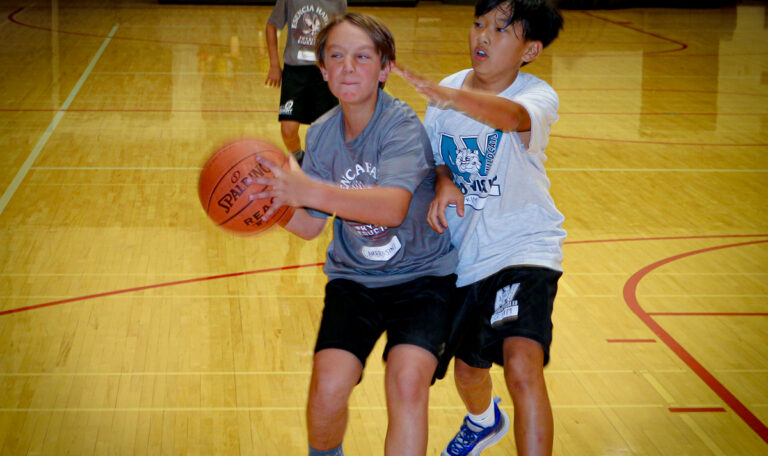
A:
(532, 51)
(323, 72)
(385, 70)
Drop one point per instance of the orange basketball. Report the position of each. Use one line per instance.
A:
(227, 183)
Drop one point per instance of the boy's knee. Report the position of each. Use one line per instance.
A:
(523, 369)
(466, 375)
(289, 129)
(328, 392)
(410, 385)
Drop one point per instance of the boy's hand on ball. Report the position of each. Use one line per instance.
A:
(287, 187)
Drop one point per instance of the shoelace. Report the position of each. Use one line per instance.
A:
(465, 438)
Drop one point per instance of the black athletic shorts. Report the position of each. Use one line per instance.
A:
(514, 302)
(304, 94)
(419, 312)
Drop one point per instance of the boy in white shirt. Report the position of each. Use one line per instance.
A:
(489, 126)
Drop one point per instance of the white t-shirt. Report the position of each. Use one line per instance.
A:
(510, 218)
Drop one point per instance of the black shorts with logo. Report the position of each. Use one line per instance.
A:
(514, 302)
(304, 94)
(419, 312)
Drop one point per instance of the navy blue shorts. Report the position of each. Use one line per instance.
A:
(419, 312)
(514, 302)
(304, 94)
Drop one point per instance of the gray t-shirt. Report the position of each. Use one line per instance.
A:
(392, 151)
(304, 18)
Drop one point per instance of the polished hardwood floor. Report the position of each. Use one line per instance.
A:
(130, 325)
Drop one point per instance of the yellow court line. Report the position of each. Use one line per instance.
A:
(701, 434)
(607, 170)
(32, 157)
(290, 409)
(495, 371)
(127, 296)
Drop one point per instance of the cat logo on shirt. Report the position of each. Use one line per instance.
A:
(471, 166)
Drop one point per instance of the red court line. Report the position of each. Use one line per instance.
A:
(272, 111)
(635, 89)
(630, 296)
(710, 314)
(201, 279)
(665, 143)
(158, 285)
(142, 110)
(695, 409)
(682, 46)
(12, 18)
(668, 238)
(631, 341)
(625, 24)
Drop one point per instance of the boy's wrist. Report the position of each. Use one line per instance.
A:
(314, 196)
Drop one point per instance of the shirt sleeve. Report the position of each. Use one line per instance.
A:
(431, 127)
(405, 156)
(311, 166)
(541, 102)
(278, 16)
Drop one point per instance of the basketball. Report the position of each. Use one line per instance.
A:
(228, 181)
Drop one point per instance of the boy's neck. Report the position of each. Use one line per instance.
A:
(356, 117)
(491, 84)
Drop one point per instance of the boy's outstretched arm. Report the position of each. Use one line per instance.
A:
(385, 206)
(275, 74)
(485, 107)
(304, 225)
(446, 193)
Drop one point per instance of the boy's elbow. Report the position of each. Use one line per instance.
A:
(390, 208)
(396, 217)
(307, 236)
(305, 226)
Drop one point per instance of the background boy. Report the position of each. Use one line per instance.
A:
(489, 126)
(370, 163)
(304, 95)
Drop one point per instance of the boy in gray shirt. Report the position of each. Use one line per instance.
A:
(369, 162)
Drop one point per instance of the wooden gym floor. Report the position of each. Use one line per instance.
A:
(130, 325)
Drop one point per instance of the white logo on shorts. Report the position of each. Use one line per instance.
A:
(505, 308)
(287, 108)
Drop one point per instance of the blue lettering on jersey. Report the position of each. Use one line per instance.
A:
(470, 166)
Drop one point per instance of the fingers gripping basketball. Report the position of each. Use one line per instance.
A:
(227, 187)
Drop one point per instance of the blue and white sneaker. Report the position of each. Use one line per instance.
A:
(472, 439)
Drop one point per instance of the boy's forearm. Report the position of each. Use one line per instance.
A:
(497, 112)
(385, 206)
(271, 36)
(304, 225)
(443, 172)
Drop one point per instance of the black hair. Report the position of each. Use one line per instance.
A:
(540, 19)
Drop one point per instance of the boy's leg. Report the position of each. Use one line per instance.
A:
(524, 374)
(486, 423)
(419, 314)
(349, 328)
(408, 378)
(474, 386)
(290, 131)
(334, 374)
